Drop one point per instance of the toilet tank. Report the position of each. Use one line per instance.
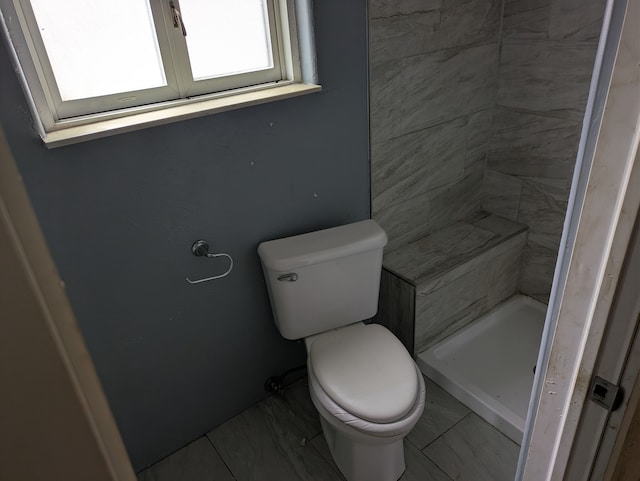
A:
(324, 279)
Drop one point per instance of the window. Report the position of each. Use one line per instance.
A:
(86, 64)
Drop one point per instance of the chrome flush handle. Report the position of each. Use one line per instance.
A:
(290, 277)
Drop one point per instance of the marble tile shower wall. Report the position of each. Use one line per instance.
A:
(547, 52)
(433, 66)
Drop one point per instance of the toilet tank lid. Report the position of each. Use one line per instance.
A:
(322, 245)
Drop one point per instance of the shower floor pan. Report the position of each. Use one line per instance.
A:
(489, 365)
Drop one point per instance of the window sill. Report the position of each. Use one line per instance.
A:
(181, 110)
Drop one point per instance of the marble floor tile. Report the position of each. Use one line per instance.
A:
(299, 407)
(473, 450)
(197, 461)
(419, 467)
(320, 443)
(264, 443)
(441, 412)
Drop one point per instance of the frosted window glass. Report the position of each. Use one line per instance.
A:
(226, 37)
(99, 47)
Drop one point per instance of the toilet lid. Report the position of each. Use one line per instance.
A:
(367, 371)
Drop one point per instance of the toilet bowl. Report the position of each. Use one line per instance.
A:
(363, 382)
(364, 449)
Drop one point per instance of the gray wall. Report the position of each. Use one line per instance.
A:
(433, 81)
(120, 215)
(546, 61)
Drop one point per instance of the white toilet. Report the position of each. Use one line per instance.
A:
(364, 383)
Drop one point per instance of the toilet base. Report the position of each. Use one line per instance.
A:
(361, 461)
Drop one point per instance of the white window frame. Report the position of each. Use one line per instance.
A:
(62, 123)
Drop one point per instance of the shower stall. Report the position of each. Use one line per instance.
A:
(476, 114)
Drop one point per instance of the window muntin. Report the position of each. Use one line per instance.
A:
(166, 53)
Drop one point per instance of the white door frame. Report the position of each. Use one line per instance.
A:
(602, 211)
(55, 422)
(619, 363)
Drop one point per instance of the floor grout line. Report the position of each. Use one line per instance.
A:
(429, 459)
(318, 450)
(334, 469)
(447, 430)
(221, 458)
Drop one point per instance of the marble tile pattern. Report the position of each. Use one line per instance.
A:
(501, 194)
(543, 208)
(441, 412)
(427, 179)
(413, 93)
(198, 461)
(414, 218)
(446, 84)
(576, 20)
(391, 8)
(265, 442)
(543, 205)
(525, 19)
(475, 451)
(414, 28)
(546, 77)
(547, 56)
(459, 273)
(573, 20)
(538, 267)
(433, 79)
(462, 243)
(443, 310)
(524, 144)
(414, 164)
(478, 135)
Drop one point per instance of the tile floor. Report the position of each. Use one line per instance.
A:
(280, 439)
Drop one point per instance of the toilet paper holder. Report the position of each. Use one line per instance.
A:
(200, 248)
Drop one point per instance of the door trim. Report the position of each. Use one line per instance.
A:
(53, 397)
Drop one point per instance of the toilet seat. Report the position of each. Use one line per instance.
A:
(336, 415)
(366, 372)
